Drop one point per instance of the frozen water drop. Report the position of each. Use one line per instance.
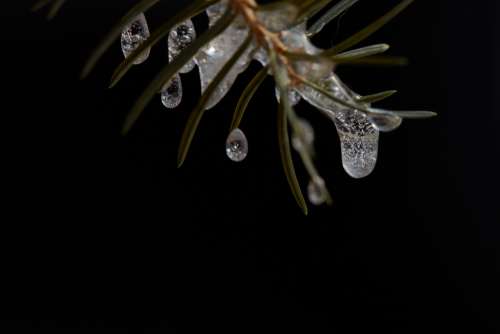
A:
(359, 143)
(316, 191)
(180, 37)
(237, 145)
(358, 137)
(171, 93)
(133, 35)
(306, 140)
(384, 121)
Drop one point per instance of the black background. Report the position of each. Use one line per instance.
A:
(98, 225)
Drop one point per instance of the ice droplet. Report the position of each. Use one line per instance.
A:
(358, 137)
(358, 141)
(171, 93)
(384, 121)
(133, 35)
(316, 191)
(306, 140)
(180, 37)
(236, 145)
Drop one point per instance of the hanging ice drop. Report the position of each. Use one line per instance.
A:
(133, 35)
(180, 37)
(316, 191)
(359, 142)
(358, 137)
(171, 93)
(307, 139)
(236, 145)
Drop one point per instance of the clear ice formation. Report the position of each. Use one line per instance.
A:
(171, 93)
(316, 192)
(307, 139)
(213, 56)
(357, 132)
(216, 11)
(279, 18)
(384, 121)
(358, 137)
(133, 35)
(180, 37)
(237, 145)
(293, 96)
(359, 142)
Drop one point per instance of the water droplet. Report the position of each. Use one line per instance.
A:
(237, 145)
(306, 140)
(358, 141)
(384, 121)
(316, 191)
(180, 37)
(133, 35)
(293, 96)
(171, 93)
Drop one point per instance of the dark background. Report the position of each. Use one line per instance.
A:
(98, 225)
